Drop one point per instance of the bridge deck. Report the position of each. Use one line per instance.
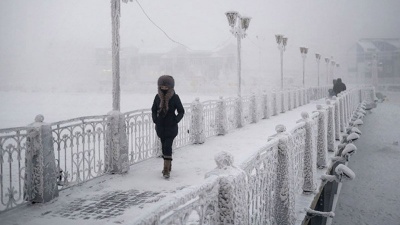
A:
(122, 198)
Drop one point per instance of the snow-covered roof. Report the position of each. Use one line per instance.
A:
(367, 46)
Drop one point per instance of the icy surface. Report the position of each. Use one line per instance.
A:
(373, 197)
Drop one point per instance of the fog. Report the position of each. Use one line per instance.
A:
(51, 45)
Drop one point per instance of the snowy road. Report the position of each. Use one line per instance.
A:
(374, 197)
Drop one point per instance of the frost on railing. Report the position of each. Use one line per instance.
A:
(274, 104)
(142, 138)
(230, 111)
(183, 137)
(309, 157)
(285, 197)
(193, 205)
(12, 166)
(261, 170)
(296, 156)
(322, 146)
(246, 104)
(79, 148)
(210, 113)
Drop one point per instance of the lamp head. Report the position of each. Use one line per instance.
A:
(284, 41)
(245, 21)
(317, 56)
(327, 60)
(232, 16)
(303, 50)
(279, 38)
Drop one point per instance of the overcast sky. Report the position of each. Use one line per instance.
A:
(28, 29)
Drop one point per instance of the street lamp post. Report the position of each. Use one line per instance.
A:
(239, 31)
(337, 70)
(304, 51)
(318, 58)
(327, 70)
(333, 63)
(375, 70)
(115, 24)
(282, 42)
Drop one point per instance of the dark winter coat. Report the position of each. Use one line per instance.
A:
(339, 86)
(166, 120)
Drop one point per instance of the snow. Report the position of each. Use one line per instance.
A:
(373, 197)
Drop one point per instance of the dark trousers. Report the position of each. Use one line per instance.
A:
(166, 145)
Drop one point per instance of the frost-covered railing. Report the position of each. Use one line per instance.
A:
(12, 166)
(263, 189)
(80, 144)
(79, 149)
(261, 170)
(199, 203)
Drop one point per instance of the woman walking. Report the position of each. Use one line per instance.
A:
(163, 110)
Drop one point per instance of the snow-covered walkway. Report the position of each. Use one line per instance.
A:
(122, 198)
(374, 196)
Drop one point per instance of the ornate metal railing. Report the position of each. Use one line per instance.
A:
(261, 170)
(79, 149)
(230, 111)
(12, 166)
(183, 137)
(209, 114)
(142, 139)
(296, 156)
(79, 144)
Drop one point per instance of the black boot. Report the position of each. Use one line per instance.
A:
(167, 167)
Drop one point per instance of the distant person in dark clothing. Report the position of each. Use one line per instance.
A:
(163, 110)
(339, 86)
(331, 92)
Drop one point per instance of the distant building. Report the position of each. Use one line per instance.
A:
(195, 66)
(387, 53)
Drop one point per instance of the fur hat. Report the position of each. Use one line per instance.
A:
(166, 80)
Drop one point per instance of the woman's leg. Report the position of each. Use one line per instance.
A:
(167, 155)
(167, 148)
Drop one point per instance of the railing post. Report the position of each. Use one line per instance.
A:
(337, 118)
(221, 117)
(265, 106)
(253, 109)
(295, 99)
(309, 169)
(301, 97)
(232, 197)
(197, 124)
(289, 100)
(283, 109)
(239, 112)
(322, 146)
(40, 164)
(116, 153)
(285, 197)
(274, 105)
(331, 127)
(342, 116)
